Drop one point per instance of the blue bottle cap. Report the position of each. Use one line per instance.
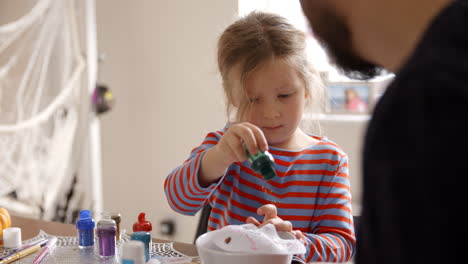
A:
(85, 221)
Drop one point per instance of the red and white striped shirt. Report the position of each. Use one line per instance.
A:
(312, 191)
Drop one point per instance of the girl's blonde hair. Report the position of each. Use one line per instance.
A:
(254, 40)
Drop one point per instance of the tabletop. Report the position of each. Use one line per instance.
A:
(31, 227)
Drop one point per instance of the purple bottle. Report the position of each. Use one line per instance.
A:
(106, 233)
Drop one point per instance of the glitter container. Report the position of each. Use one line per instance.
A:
(85, 226)
(144, 237)
(262, 163)
(106, 232)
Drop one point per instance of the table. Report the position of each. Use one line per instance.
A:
(30, 228)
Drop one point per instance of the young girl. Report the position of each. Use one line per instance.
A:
(268, 83)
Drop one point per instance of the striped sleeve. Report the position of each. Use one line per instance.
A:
(183, 191)
(332, 237)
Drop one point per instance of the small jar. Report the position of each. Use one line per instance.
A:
(117, 218)
(85, 226)
(262, 163)
(106, 232)
(133, 252)
(144, 237)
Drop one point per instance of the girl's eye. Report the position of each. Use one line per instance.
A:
(254, 100)
(284, 95)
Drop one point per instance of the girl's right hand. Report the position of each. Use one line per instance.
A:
(230, 149)
(231, 146)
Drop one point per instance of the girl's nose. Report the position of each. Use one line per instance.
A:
(271, 111)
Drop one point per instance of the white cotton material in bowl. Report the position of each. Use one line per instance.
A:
(250, 239)
(248, 244)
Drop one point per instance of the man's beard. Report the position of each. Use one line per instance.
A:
(335, 37)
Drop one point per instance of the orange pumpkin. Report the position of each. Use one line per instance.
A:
(5, 220)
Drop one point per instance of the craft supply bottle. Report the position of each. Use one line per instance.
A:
(106, 231)
(85, 226)
(144, 237)
(262, 163)
(12, 237)
(142, 224)
(133, 252)
(117, 218)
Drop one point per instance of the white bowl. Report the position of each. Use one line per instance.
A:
(210, 254)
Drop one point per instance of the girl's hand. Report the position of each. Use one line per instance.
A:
(271, 217)
(230, 149)
(231, 146)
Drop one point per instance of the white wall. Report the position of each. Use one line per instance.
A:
(11, 10)
(162, 70)
(348, 133)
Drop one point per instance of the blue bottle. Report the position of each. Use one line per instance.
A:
(85, 226)
(144, 237)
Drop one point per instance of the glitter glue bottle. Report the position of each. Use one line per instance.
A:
(262, 163)
(144, 237)
(106, 231)
(85, 226)
(142, 224)
(117, 218)
(133, 252)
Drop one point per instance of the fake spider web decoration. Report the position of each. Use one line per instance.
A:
(44, 106)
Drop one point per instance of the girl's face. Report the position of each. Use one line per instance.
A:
(277, 96)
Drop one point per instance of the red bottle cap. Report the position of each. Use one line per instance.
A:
(142, 224)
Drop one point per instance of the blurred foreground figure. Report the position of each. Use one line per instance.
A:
(415, 146)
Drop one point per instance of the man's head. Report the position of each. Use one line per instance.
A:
(332, 31)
